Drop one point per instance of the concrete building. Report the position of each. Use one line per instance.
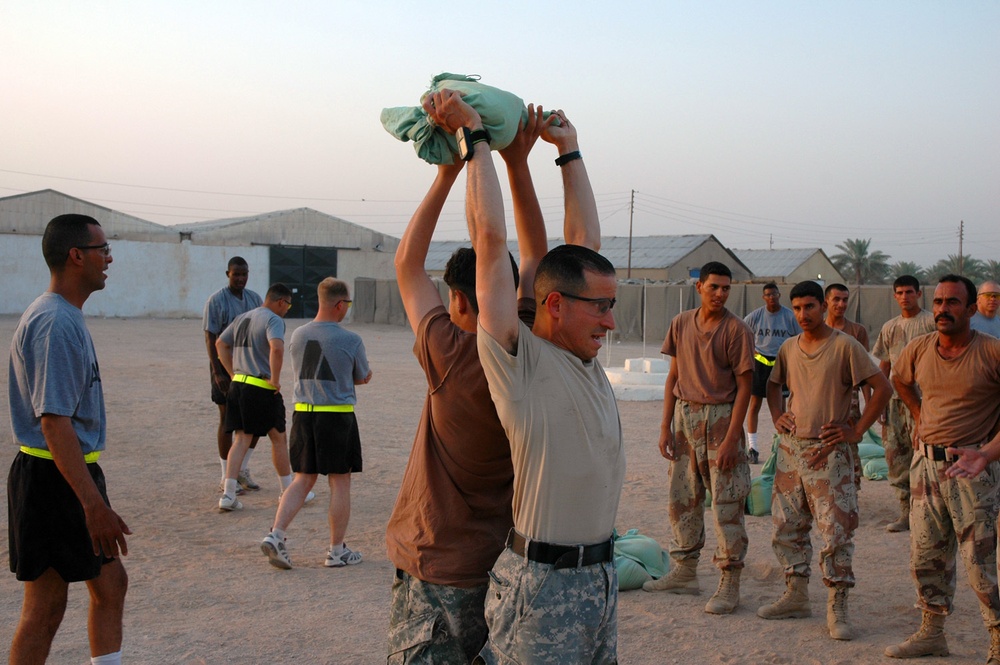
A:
(789, 266)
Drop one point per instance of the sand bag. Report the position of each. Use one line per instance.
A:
(638, 558)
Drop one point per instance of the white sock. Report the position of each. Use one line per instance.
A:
(222, 460)
(752, 440)
(286, 481)
(278, 533)
(246, 459)
(231, 485)
(107, 659)
(337, 550)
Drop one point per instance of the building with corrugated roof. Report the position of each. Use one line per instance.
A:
(789, 266)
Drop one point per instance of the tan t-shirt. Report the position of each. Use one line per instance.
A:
(857, 331)
(453, 510)
(708, 362)
(820, 385)
(898, 332)
(960, 405)
(565, 438)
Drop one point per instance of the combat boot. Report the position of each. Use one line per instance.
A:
(727, 596)
(929, 640)
(836, 613)
(993, 658)
(682, 579)
(903, 523)
(793, 604)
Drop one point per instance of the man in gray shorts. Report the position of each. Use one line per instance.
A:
(221, 308)
(252, 351)
(327, 362)
(61, 525)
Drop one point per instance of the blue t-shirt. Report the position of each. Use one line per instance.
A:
(771, 330)
(53, 370)
(326, 361)
(984, 325)
(250, 335)
(223, 307)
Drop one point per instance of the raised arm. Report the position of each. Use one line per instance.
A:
(415, 288)
(582, 225)
(532, 243)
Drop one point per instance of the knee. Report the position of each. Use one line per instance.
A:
(111, 586)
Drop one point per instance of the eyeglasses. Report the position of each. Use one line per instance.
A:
(344, 300)
(604, 305)
(105, 248)
(989, 295)
(287, 301)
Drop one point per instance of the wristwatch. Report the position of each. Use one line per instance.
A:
(467, 138)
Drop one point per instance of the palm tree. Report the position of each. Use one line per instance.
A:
(857, 261)
(908, 268)
(991, 270)
(972, 268)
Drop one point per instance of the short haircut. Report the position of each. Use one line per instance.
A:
(563, 268)
(331, 289)
(906, 280)
(460, 274)
(769, 285)
(806, 289)
(714, 268)
(970, 287)
(237, 261)
(62, 234)
(835, 287)
(277, 291)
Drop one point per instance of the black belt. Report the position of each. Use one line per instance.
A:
(935, 453)
(560, 556)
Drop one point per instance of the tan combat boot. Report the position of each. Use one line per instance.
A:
(993, 658)
(836, 614)
(682, 579)
(793, 604)
(929, 640)
(903, 523)
(727, 596)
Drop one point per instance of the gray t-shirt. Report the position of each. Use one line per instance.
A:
(770, 330)
(223, 307)
(984, 325)
(326, 361)
(53, 370)
(250, 335)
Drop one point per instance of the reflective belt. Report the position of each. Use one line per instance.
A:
(253, 381)
(763, 359)
(336, 408)
(89, 458)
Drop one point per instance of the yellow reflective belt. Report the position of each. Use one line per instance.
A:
(89, 458)
(253, 381)
(763, 359)
(336, 408)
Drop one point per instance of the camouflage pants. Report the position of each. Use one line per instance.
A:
(433, 623)
(897, 437)
(537, 614)
(828, 494)
(698, 431)
(948, 514)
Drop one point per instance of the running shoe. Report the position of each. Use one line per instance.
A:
(276, 552)
(346, 558)
(246, 482)
(229, 503)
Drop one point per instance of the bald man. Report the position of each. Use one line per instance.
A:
(987, 303)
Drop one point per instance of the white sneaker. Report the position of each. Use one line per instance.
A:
(309, 497)
(229, 503)
(276, 552)
(346, 558)
(246, 482)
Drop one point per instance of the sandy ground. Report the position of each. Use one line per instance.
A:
(201, 591)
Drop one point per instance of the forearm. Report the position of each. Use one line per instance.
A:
(528, 220)
(582, 225)
(740, 405)
(225, 355)
(64, 445)
(774, 401)
(275, 358)
(213, 353)
(412, 251)
(908, 394)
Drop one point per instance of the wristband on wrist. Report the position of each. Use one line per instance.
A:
(563, 160)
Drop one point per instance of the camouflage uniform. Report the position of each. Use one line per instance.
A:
(898, 440)
(434, 623)
(828, 494)
(538, 614)
(949, 513)
(699, 430)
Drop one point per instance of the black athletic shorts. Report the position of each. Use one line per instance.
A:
(254, 410)
(46, 525)
(761, 373)
(325, 442)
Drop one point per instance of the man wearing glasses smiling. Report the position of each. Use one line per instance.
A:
(553, 591)
(252, 350)
(987, 302)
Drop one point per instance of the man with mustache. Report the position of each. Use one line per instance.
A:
(897, 435)
(955, 477)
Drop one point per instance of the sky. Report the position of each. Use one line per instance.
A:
(767, 124)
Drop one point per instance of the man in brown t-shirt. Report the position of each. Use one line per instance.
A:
(815, 469)
(957, 439)
(705, 400)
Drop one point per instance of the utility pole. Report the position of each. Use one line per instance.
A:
(631, 210)
(961, 238)
(771, 242)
